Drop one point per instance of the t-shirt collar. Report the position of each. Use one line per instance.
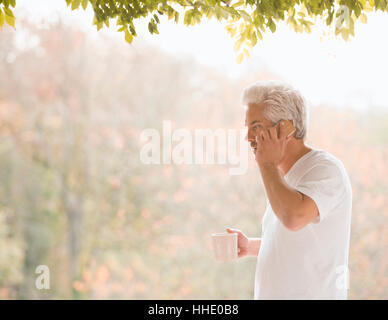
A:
(306, 155)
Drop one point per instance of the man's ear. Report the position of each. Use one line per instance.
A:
(286, 129)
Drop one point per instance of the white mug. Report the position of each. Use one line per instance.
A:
(225, 246)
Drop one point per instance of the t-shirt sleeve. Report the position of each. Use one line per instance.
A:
(324, 184)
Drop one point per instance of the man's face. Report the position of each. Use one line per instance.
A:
(255, 120)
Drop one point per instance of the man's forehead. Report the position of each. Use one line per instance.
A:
(253, 115)
(251, 122)
(255, 109)
(255, 105)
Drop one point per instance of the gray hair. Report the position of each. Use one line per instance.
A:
(281, 102)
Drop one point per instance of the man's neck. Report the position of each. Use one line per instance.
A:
(294, 151)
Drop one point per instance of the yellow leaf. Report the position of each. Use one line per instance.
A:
(231, 30)
(253, 41)
(241, 28)
(237, 45)
(368, 7)
(259, 35)
(345, 34)
(246, 52)
(240, 58)
(363, 18)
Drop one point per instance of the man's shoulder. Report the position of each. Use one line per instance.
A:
(324, 158)
(318, 165)
(329, 164)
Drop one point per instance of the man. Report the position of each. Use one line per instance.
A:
(304, 247)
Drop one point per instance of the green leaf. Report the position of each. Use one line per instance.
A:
(253, 39)
(237, 4)
(8, 12)
(272, 25)
(155, 27)
(10, 20)
(222, 12)
(208, 13)
(218, 13)
(84, 4)
(75, 4)
(231, 11)
(1, 18)
(245, 15)
(99, 25)
(132, 29)
(357, 11)
(128, 36)
(197, 18)
(188, 17)
(262, 14)
(9, 17)
(259, 34)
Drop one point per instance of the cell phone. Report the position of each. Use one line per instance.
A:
(289, 128)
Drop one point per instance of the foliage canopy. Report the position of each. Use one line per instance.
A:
(246, 20)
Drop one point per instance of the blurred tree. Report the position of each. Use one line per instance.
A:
(247, 19)
(75, 196)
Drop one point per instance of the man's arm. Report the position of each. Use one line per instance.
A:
(247, 246)
(253, 246)
(294, 209)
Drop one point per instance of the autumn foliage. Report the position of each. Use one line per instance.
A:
(75, 197)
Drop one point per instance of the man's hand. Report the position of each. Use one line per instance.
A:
(246, 246)
(270, 147)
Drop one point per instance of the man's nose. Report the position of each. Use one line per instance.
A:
(249, 136)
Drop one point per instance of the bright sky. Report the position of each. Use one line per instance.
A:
(344, 74)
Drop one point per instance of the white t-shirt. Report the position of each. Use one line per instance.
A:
(311, 263)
